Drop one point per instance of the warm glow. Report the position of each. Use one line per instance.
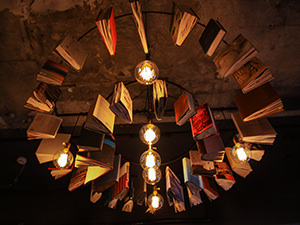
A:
(149, 135)
(62, 160)
(155, 202)
(241, 154)
(146, 73)
(150, 160)
(152, 174)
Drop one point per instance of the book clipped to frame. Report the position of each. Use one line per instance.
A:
(105, 22)
(138, 19)
(224, 176)
(52, 73)
(160, 96)
(121, 104)
(211, 37)
(182, 24)
(90, 141)
(252, 75)
(260, 102)
(200, 166)
(184, 108)
(209, 187)
(232, 57)
(72, 52)
(211, 148)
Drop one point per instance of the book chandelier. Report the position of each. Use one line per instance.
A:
(205, 166)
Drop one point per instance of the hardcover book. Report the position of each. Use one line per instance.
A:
(203, 124)
(44, 98)
(72, 52)
(43, 126)
(209, 187)
(121, 104)
(100, 118)
(232, 57)
(138, 19)
(52, 73)
(211, 148)
(184, 108)
(182, 24)
(201, 167)
(260, 102)
(212, 36)
(160, 96)
(255, 131)
(90, 141)
(105, 22)
(252, 75)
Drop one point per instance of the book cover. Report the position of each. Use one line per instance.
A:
(260, 102)
(160, 96)
(100, 118)
(232, 57)
(203, 123)
(52, 73)
(224, 176)
(43, 126)
(138, 19)
(255, 131)
(210, 187)
(188, 174)
(48, 147)
(72, 52)
(77, 178)
(184, 108)
(121, 188)
(90, 141)
(182, 24)
(252, 75)
(105, 22)
(121, 104)
(211, 37)
(211, 148)
(199, 166)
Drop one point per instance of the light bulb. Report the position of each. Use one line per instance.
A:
(150, 158)
(152, 175)
(146, 72)
(63, 158)
(240, 153)
(155, 200)
(149, 134)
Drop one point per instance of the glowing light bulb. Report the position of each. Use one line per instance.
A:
(155, 202)
(241, 154)
(150, 160)
(62, 160)
(151, 174)
(146, 72)
(149, 134)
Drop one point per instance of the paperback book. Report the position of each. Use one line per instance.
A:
(90, 141)
(209, 187)
(184, 108)
(211, 148)
(224, 176)
(160, 96)
(199, 166)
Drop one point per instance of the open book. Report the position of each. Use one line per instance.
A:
(260, 102)
(105, 22)
(252, 75)
(138, 19)
(72, 51)
(232, 57)
(203, 124)
(199, 166)
(121, 104)
(100, 118)
(160, 96)
(44, 98)
(224, 176)
(212, 36)
(184, 108)
(182, 24)
(43, 126)
(52, 73)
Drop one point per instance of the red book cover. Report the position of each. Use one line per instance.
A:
(201, 121)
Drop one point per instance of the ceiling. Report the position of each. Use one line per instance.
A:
(31, 30)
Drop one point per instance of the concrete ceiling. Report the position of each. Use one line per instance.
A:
(30, 30)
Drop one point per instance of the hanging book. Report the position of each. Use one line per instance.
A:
(252, 75)
(121, 104)
(201, 167)
(211, 148)
(232, 57)
(44, 98)
(59, 172)
(43, 126)
(209, 187)
(260, 102)
(100, 118)
(160, 96)
(174, 191)
(138, 19)
(192, 182)
(224, 176)
(212, 36)
(52, 73)
(72, 52)
(255, 131)
(203, 124)
(140, 190)
(242, 169)
(48, 147)
(90, 141)
(105, 22)
(77, 178)
(184, 108)
(182, 24)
